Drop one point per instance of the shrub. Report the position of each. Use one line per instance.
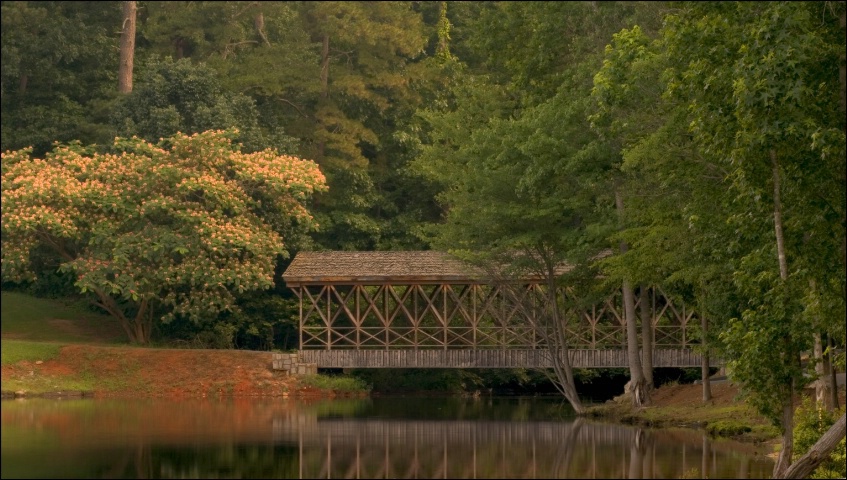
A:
(727, 428)
(810, 423)
(335, 382)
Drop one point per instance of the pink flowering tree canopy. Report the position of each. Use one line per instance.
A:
(155, 231)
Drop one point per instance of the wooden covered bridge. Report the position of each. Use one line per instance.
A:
(426, 309)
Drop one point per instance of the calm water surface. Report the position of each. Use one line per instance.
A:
(392, 437)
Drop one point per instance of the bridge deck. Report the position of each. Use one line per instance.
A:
(513, 358)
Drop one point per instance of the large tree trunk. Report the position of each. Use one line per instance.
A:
(134, 329)
(704, 365)
(646, 335)
(787, 450)
(637, 384)
(823, 388)
(819, 452)
(127, 48)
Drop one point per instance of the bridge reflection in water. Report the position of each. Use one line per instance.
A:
(401, 437)
(357, 448)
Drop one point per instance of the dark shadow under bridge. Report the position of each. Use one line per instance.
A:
(426, 309)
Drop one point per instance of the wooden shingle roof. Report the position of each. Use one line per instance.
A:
(344, 267)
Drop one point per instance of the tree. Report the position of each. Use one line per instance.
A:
(57, 74)
(509, 230)
(127, 47)
(527, 176)
(760, 81)
(629, 79)
(173, 96)
(366, 58)
(156, 230)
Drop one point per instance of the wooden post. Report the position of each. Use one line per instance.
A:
(299, 293)
(358, 320)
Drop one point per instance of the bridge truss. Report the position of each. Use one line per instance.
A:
(457, 321)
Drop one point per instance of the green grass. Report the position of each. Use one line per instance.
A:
(37, 328)
(14, 351)
(335, 383)
(24, 317)
(42, 384)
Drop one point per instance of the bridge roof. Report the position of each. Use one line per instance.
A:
(344, 267)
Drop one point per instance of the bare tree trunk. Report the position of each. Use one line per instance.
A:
(842, 68)
(704, 365)
(324, 86)
(107, 303)
(787, 421)
(443, 48)
(259, 23)
(127, 47)
(637, 384)
(179, 47)
(777, 219)
(539, 306)
(842, 79)
(823, 388)
(646, 335)
(833, 380)
(819, 452)
(560, 351)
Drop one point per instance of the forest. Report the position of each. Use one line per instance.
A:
(170, 158)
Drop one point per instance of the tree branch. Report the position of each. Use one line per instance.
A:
(819, 452)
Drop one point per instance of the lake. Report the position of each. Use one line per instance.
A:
(381, 437)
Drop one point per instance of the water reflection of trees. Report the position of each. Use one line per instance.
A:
(225, 461)
(491, 449)
(355, 440)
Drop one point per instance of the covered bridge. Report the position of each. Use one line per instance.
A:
(427, 309)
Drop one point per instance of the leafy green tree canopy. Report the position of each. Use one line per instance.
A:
(173, 96)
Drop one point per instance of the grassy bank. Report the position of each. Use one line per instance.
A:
(675, 405)
(57, 347)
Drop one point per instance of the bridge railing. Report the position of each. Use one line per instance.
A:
(475, 316)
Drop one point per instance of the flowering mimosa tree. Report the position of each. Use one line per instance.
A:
(155, 231)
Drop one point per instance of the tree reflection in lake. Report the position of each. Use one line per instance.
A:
(368, 438)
